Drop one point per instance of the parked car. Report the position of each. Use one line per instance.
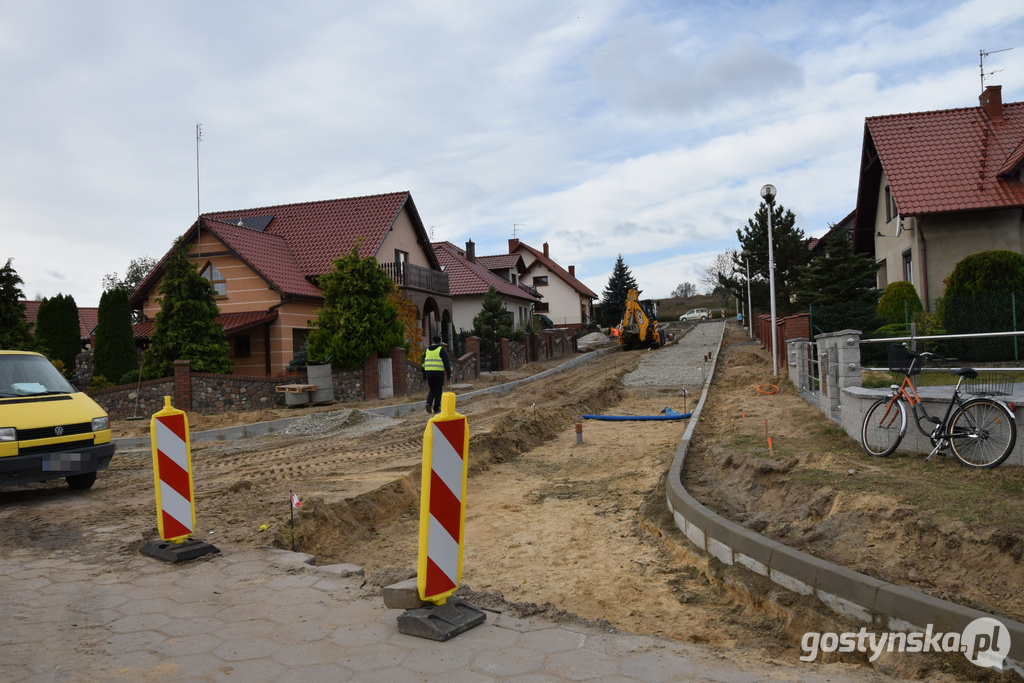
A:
(696, 314)
(545, 322)
(48, 429)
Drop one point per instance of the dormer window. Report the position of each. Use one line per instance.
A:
(220, 285)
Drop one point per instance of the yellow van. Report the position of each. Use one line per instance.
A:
(48, 429)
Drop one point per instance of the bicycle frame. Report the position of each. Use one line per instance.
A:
(907, 392)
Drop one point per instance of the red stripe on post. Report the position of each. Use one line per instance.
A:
(445, 506)
(437, 581)
(172, 527)
(174, 476)
(455, 432)
(175, 423)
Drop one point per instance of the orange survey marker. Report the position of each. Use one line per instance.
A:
(443, 503)
(172, 473)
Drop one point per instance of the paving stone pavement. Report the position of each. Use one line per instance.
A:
(263, 614)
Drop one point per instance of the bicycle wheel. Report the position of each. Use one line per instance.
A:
(983, 433)
(884, 427)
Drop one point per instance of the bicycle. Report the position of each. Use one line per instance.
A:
(981, 431)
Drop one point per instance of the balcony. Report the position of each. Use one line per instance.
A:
(417, 277)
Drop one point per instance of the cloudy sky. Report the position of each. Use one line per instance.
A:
(639, 127)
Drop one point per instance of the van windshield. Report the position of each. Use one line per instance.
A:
(30, 375)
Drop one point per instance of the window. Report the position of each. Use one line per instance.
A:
(908, 267)
(220, 285)
(540, 281)
(890, 206)
(540, 307)
(243, 348)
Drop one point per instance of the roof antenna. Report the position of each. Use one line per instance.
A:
(515, 233)
(199, 212)
(981, 64)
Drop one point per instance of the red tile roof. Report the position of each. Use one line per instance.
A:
(500, 261)
(233, 323)
(554, 268)
(950, 160)
(87, 317)
(466, 277)
(301, 240)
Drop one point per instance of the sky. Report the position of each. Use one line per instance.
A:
(644, 128)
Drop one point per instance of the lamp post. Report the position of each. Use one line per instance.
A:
(750, 306)
(768, 193)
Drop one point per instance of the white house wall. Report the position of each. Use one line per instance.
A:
(467, 307)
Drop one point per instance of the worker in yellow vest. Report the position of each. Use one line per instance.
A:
(435, 368)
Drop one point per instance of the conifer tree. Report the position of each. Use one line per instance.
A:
(358, 318)
(840, 286)
(494, 321)
(613, 302)
(58, 331)
(186, 326)
(789, 250)
(114, 355)
(14, 334)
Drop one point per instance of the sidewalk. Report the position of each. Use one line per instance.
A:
(258, 615)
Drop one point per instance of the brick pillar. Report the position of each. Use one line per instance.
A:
(473, 347)
(182, 398)
(371, 383)
(506, 355)
(399, 379)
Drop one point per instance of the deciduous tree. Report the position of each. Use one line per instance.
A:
(358, 318)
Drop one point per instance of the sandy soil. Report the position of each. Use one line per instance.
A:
(573, 531)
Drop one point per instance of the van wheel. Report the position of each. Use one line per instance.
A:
(81, 482)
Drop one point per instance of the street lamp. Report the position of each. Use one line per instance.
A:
(750, 306)
(768, 193)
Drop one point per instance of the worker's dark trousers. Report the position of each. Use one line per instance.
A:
(435, 384)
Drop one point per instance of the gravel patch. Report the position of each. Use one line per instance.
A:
(348, 421)
(679, 364)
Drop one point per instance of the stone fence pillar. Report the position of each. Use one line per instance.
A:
(398, 376)
(473, 347)
(182, 393)
(371, 382)
(838, 365)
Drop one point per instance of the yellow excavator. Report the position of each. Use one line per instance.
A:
(639, 326)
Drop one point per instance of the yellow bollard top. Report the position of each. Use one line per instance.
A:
(447, 404)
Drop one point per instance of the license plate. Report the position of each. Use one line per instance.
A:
(63, 462)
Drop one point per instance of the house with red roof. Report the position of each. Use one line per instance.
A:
(264, 263)
(470, 277)
(88, 317)
(938, 186)
(566, 300)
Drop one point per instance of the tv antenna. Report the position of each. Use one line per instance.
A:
(199, 211)
(515, 232)
(981, 64)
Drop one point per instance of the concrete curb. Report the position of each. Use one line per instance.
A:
(400, 410)
(884, 605)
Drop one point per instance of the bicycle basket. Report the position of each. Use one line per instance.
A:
(901, 359)
(990, 384)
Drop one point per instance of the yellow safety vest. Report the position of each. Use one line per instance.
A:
(432, 360)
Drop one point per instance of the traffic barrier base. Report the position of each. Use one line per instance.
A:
(169, 551)
(441, 622)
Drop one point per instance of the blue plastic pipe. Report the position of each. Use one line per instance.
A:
(666, 414)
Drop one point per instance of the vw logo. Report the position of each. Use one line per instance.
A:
(58, 430)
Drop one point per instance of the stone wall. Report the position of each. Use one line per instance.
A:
(140, 400)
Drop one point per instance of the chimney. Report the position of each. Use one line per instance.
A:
(572, 271)
(992, 103)
(513, 244)
(470, 251)
(546, 250)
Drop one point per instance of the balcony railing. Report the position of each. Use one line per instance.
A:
(417, 277)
